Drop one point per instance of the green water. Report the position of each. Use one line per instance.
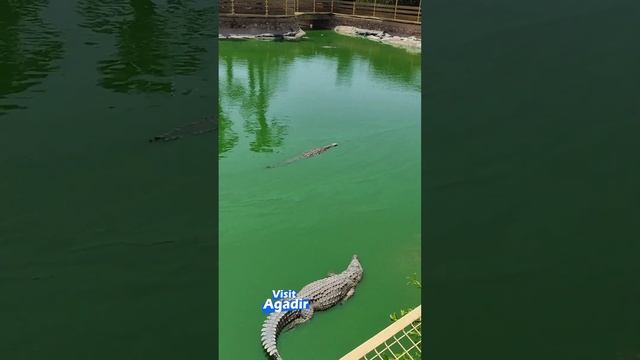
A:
(107, 241)
(532, 201)
(285, 227)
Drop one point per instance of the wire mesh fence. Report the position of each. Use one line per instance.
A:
(405, 10)
(379, 10)
(399, 341)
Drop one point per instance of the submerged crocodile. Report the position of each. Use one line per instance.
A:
(193, 128)
(308, 154)
(321, 294)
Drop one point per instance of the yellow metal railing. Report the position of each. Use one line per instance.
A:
(399, 341)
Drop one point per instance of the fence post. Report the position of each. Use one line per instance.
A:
(354, 7)
(395, 10)
(266, 7)
(314, 5)
(374, 7)
(233, 10)
(419, 8)
(332, 6)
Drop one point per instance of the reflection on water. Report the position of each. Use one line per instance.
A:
(253, 73)
(29, 48)
(154, 41)
(256, 80)
(227, 138)
(268, 134)
(384, 62)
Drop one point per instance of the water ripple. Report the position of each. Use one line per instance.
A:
(29, 48)
(154, 42)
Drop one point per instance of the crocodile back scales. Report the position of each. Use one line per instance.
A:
(322, 295)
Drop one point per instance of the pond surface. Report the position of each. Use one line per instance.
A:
(107, 241)
(284, 227)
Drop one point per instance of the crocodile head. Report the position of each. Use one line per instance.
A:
(355, 269)
(331, 145)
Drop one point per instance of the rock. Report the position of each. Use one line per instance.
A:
(346, 30)
(295, 35)
(238, 37)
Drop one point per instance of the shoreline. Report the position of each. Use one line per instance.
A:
(410, 43)
(288, 36)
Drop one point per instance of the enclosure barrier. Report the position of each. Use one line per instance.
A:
(400, 340)
(373, 9)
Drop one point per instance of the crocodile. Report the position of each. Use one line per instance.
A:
(307, 154)
(321, 294)
(194, 128)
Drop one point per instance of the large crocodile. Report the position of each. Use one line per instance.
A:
(307, 154)
(321, 294)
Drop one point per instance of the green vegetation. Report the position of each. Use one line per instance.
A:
(415, 336)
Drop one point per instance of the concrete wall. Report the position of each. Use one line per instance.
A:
(256, 24)
(316, 21)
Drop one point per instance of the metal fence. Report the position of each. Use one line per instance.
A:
(399, 341)
(371, 9)
(376, 10)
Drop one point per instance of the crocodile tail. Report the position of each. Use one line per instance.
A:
(272, 327)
